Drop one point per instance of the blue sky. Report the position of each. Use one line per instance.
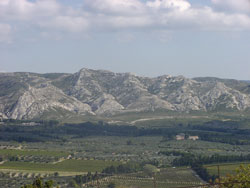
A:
(147, 37)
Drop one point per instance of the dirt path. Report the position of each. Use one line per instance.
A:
(153, 118)
(2, 162)
(163, 117)
(62, 159)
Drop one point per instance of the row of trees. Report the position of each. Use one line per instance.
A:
(188, 159)
(202, 172)
(172, 153)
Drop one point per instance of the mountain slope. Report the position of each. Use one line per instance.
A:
(99, 92)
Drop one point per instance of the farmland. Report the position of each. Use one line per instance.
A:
(19, 152)
(64, 151)
(65, 166)
(168, 177)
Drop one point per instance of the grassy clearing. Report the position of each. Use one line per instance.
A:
(65, 166)
(224, 168)
(13, 152)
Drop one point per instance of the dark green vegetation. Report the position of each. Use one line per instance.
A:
(189, 159)
(65, 153)
(203, 173)
(123, 168)
(38, 183)
(229, 132)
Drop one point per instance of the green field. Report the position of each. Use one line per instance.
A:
(224, 168)
(15, 152)
(65, 166)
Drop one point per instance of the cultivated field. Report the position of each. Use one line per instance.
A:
(19, 152)
(69, 165)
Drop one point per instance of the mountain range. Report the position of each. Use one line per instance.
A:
(26, 95)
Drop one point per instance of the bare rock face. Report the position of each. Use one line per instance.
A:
(106, 105)
(150, 103)
(99, 92)
(221, 95)
(37, 100)
(37, 96)
(2, 116)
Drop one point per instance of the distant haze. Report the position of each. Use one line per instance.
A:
(146, 37)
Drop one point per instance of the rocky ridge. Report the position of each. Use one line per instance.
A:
(102, 93)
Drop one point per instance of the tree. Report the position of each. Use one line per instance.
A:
(78, 179)
(73, 183)
(129, 142)
(48, 184)
(240, 180)
(38, 183)
(150, 169)
(27, 186)
(111, 185)
(202, 172)
(56, 174)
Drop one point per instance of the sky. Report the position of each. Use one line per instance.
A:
(192, 38)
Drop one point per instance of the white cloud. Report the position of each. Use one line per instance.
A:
(169, 4)
(237, 5)
(128, 7)
(16, 9)
(48, 7)
(204, 19)
(121, 15)
(163, 14)
(44, 13)
(24, 10)
(106, 22)
(5, 33)
(66, 23)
